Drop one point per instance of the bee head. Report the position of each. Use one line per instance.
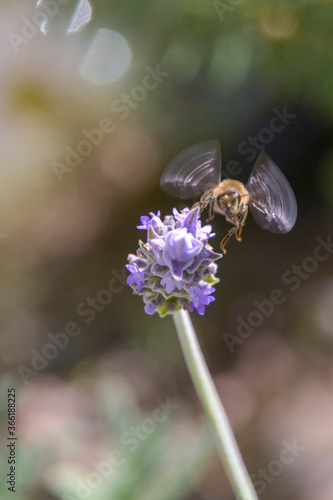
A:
(229, 202)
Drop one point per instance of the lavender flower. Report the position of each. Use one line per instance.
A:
(175, 269)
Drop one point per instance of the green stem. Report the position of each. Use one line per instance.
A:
(225, 440)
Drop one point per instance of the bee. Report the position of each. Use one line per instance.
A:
(267, 193)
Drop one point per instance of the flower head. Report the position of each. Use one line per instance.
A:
(175, 268)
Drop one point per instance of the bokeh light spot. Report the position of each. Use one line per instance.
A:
(183, 59)
(57, 18)
(81, 17)
(107, 59)
(231, 62)
(278, 22)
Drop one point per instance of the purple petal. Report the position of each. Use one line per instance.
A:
(206, 232)
(150, 308)
(176, 269)
(181, 245)
(169, 283)
(144, 222)
(180, 216)
(191, 221)
(136, 277)
(158, 246)
(147, 221)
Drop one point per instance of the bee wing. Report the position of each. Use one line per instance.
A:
(193, 171)
(272, 200)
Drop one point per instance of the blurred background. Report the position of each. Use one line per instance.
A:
(96, 98)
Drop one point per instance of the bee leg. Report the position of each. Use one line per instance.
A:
(204, 202)
(201, 203)
(197, 204)
(223, 243)
(211, 213)
(229, 234)
(226, 239)
(241, 223)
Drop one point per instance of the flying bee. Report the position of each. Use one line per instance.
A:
(267, 193)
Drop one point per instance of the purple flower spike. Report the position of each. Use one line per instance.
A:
(175, 268)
